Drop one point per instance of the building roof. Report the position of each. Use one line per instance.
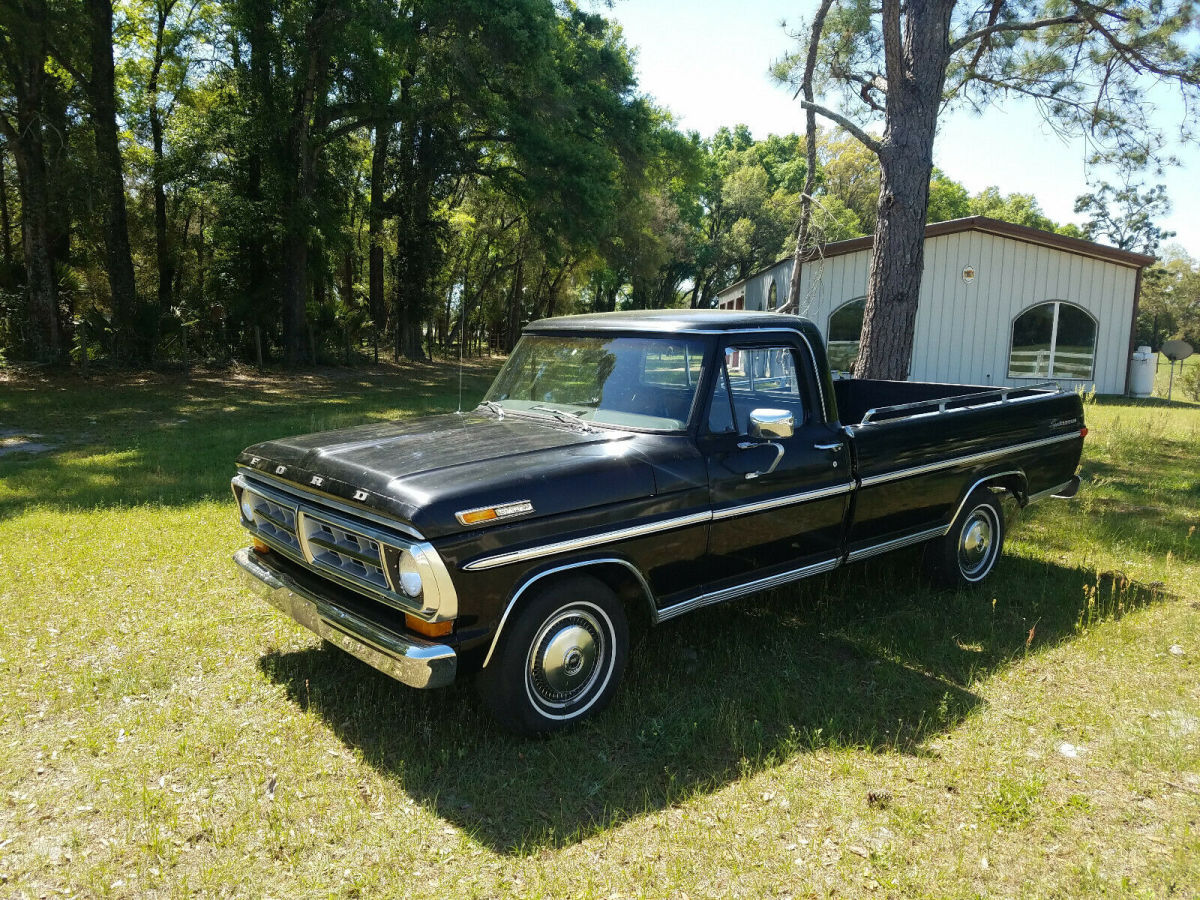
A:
(988, 226)
(666, 320)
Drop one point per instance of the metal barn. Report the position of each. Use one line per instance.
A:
(1000, 304)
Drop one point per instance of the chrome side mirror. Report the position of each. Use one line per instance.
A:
(771, 424)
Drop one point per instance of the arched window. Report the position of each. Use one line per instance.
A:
(845, 330)
(772, 297)
(1053, 340)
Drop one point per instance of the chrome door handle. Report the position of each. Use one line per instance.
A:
(750, 445)
(835, 447)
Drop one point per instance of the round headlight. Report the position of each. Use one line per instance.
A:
(410, 575)
(248, 506)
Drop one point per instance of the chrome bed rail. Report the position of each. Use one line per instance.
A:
(959, 402)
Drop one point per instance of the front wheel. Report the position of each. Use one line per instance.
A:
(967, 553)
(560, 661)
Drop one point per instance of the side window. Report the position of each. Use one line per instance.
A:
(755, 378)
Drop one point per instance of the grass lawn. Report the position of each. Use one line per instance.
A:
(1178, 390)
(162, 733)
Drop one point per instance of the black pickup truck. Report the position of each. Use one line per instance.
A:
(630, 466)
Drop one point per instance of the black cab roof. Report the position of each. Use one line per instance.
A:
(670, 320)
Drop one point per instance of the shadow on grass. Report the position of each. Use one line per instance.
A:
(867, 657)
(172, 439)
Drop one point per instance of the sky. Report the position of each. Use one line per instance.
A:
(707, 61)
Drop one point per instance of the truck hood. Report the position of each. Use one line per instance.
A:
(425, 470)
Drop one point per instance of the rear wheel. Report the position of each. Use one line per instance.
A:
(561, 659)
(967, 553)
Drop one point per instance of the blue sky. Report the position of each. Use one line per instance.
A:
(707, 61)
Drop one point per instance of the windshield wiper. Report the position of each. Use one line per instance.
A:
(563, 416)
(494, 407)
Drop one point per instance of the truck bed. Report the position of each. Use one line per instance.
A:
(918, 448)
(889, 400)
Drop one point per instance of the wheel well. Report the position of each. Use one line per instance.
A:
(1013, 482)
(617, 575)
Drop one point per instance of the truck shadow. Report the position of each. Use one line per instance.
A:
(867, 657)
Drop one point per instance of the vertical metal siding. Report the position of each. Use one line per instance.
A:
(964, 331)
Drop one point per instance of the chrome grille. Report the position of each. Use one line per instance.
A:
(352, 554)
(357, 550)
(324, 542)
(274, 520)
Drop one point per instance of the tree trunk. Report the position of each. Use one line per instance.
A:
(42, 310)
(26, 67)
(163, 250)
(515, 297)
(377, 301)
(302, 154)
(5, 224)
(919, 56)
(101, 88)
(804, 228)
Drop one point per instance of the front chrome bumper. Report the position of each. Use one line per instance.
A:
(413, 661)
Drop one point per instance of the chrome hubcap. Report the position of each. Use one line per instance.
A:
(975, 542)
(563, 658)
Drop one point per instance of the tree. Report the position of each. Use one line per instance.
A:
(24, 52)
(1170, 300)
(1124, 215)
(886, 74)
(947, 199)
(166, 40)
(81, 42)
(1017, 208)
(849, 171)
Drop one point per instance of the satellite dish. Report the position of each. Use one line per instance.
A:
(1177, 350)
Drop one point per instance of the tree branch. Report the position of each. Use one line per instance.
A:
(864, 138)
(986, 42)
(1138, 60)
(973, 36)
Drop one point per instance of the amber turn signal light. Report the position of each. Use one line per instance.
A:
(477, 515)
(260, 547)
(429, 629)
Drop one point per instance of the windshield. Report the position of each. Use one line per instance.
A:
(637, 382)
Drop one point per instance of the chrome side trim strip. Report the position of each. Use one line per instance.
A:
(583, 543)
(740, 590)
(730, 512)
(578, 565)
(966, 460)
(323, 499)
(607, 537)
(896, 544)
(1050, 492)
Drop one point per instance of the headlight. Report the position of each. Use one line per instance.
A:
(410, 576)
(247, 504)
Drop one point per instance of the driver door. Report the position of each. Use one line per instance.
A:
(779, 502)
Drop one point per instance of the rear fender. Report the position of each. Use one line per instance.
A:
(1011, 480)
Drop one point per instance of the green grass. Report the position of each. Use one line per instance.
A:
(1179, 389)
(164, 733)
